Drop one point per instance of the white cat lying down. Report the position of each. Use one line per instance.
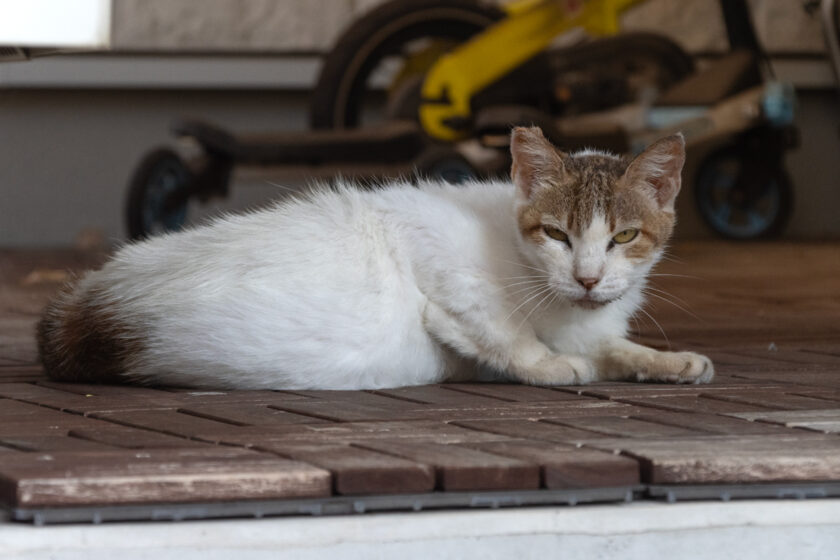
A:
(534, 281)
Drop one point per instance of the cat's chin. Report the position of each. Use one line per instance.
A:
(589, 303)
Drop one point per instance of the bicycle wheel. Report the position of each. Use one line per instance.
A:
(400, 39)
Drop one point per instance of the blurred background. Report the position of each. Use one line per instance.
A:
(75, 126)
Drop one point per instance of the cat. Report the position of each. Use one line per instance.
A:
(532, 280)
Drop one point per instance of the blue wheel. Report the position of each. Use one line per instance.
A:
(158, 194)
(742, 197)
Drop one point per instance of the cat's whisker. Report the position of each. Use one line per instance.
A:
(523, 265)
(636, 322)
(524, 290)
(684, 310)
(656, 274)
(669, 294)
(539, 292)
(537, 281)
(526, 276)
(655, 322)
(537, 306)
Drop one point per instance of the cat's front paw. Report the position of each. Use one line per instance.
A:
(678, 367)
(560, 370)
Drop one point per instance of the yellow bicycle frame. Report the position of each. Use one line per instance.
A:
(529, 27)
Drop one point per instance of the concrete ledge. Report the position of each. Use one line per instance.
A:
(743, 530)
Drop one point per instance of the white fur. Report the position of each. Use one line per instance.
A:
(365, 289)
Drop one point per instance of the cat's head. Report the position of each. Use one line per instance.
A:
(593, 222)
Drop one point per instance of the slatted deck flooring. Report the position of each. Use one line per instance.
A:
(768, 315)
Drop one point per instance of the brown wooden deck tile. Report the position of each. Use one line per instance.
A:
(530, 429)
(80, 403)
(166, 421)
(116, 435)
(793, 356)
(52, 443)
(566, 467)
(154, 476)
(513, 393)
(358, 471)
(347, 433)
(462, 469)
(439, 394)
(733, 459)
(631, 390)
(625, 427)
(519, 410)
(712, 423)
(772, 399)
(816, 378)
(21, 374)
(251, 415)
(692, 404)
(818, 420)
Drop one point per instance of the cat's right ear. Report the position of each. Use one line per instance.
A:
(536, 163)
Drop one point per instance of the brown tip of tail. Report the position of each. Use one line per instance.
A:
(80, 339)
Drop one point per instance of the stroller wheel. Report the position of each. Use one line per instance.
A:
(743, 197)
(442, 163)
(158, 194)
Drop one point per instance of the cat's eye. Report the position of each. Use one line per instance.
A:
(625, 236)
(556, 233)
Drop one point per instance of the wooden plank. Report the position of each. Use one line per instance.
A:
(732, 459)
(513, 393)
(462, 469)
(519, 410)
(167, 422)
(358, 471)
(154, 476)
(341, 411)
(712, 423)
(819, 420)
(251, 414)
(624, 427)
(439, 394)
(529, 429)
(347, 433)
(566, 467)
(51, 443)
(692, 404)
(84, 403)
(773, 399)
(646, 390)
(126, 437)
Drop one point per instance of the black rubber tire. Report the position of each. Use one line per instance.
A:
(149, 208)
(721, 175)
(440, 163)
(338, 95)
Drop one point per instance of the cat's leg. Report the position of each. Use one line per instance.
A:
(507, 347)
(618, 358)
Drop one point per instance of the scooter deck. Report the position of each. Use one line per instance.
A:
(394, 141)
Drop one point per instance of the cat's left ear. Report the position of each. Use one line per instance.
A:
(659, 170)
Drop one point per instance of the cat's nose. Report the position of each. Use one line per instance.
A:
(588, 283)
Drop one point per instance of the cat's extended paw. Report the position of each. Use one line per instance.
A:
(678, 367)
(561, 370)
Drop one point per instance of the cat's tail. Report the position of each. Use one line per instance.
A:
(80, 338)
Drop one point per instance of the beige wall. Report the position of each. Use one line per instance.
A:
(313, 25)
